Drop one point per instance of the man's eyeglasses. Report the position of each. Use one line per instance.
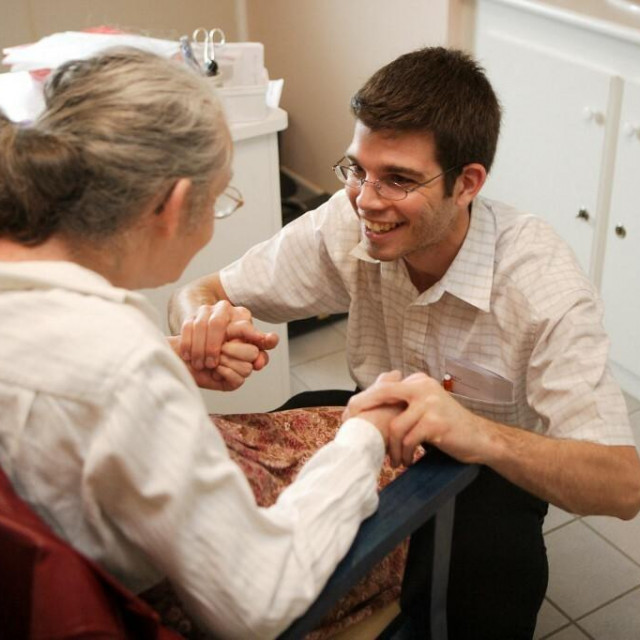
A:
(353, 177)
(227, 203)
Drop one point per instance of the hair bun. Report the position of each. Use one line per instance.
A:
(39, 173)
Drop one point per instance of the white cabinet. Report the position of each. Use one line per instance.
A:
(621, 272)
(256, 174)
(553, 128)
(569, 149)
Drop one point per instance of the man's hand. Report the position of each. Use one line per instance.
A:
(221, 347)
(582, 477)
(236, 364)
(203, 334)
(430, 415)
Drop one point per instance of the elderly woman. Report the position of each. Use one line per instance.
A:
(115, 187)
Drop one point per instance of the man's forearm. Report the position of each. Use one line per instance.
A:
(581, 477)
(185, 301)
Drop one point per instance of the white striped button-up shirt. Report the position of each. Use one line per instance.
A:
(514, 302)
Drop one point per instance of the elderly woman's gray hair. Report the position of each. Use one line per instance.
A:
(118, 130)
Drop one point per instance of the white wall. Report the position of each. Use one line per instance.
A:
(326, 49)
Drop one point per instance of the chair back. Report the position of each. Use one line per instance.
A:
(49, 590)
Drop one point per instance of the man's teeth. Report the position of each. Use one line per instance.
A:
(380, 227)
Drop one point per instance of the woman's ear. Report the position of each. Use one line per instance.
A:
(469, 183)
(168, 216)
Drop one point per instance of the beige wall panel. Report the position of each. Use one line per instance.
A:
(160, 18)
(324, 50)
(15, 24)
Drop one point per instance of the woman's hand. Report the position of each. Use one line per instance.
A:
(236, 365)
(431, 415)
(381, 416)
(202, 335)
(221, 346)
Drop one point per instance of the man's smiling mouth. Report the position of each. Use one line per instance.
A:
(380, 227)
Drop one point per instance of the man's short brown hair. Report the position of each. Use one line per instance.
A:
(439, 91)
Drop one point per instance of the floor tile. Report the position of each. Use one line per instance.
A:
(549, 620)
(297, 386)
(330, 372)
(623, 534)
(619, 620)
(569, 633)
(633, 404)
(585, 570)
(341, 326)
(315, 344)
(555, 518)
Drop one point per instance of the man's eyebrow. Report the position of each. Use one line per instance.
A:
(406, 171)
(393, 168)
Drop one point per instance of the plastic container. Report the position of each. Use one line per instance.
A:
(244, 104)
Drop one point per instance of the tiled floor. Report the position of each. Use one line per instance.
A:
(594, 584)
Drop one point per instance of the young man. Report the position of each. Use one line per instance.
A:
(443, 284)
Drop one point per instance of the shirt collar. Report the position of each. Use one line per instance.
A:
(58, 274)
(360, 253)
(470, 276)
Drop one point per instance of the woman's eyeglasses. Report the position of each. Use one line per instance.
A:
(227, 203)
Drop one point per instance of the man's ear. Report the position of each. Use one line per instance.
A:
(469, 183)
(168, 215)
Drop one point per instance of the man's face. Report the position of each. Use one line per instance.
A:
(412, 228)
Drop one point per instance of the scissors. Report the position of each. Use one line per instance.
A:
(208, 39)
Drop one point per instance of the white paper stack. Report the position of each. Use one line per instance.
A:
(54, 50)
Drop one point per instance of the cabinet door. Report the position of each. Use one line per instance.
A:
(552, 139)
(621, 272)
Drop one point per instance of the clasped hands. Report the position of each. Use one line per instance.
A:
(221, 346)
(419, 411)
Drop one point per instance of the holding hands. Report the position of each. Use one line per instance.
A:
(426, 414)
(221, 346)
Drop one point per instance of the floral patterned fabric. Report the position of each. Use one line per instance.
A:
(271, 448)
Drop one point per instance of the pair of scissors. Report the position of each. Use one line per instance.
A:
(208, 39)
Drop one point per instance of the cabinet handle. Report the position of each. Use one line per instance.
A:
(583, 214)
(593, 115)
(631, 130)
(621, 232)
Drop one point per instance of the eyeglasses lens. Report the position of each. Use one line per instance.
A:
(385, 188)
(227, 203)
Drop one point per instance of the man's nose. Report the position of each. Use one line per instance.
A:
(369, 196)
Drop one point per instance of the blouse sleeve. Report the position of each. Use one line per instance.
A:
(162, 479)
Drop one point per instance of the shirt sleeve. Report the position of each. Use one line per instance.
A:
(299, 272)
(163, 480)
(570, 384)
